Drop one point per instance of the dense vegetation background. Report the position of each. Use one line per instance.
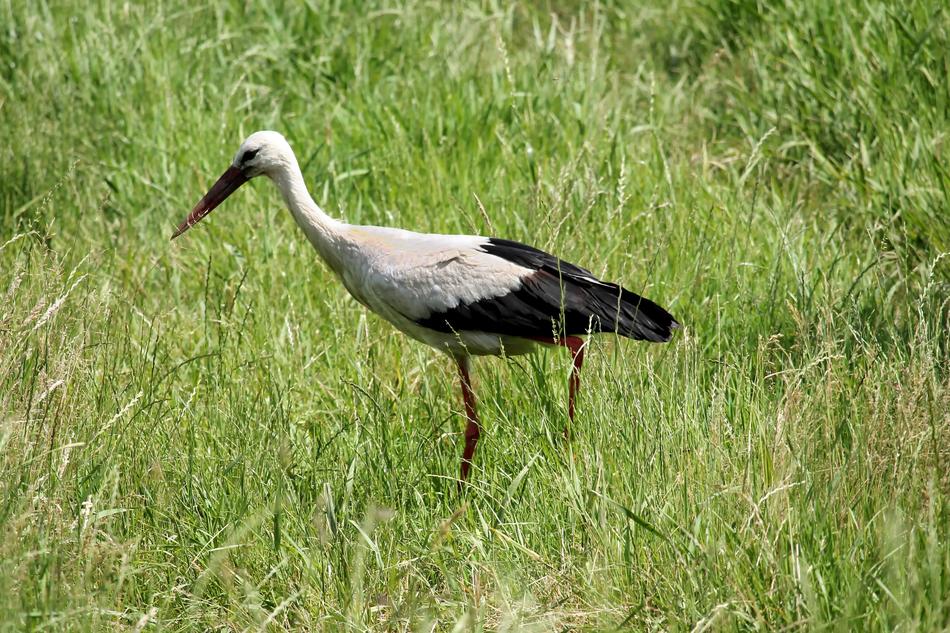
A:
(209, 434)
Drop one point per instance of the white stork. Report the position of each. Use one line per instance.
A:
(462, 294)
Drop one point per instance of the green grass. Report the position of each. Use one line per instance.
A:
(209, 434)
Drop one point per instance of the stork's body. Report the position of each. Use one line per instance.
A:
(464, 295)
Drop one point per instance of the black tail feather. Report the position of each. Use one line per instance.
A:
(640, 318)
(606, 307)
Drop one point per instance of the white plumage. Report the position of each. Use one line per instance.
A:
(462, 294)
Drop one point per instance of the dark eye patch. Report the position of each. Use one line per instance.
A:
(249, 154)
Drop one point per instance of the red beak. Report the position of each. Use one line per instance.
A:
(226, 185)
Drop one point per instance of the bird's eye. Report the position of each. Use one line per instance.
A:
(249, 154)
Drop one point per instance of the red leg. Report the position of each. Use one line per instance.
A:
(576, 345)
(473, 429)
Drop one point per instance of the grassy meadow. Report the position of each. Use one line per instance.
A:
(209, 434)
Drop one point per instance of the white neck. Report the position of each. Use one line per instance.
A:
(324, 232)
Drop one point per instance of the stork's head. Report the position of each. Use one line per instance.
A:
(261, 153)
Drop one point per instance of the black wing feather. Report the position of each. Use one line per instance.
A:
(556, 298)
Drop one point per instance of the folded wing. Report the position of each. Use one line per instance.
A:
(548, 297)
